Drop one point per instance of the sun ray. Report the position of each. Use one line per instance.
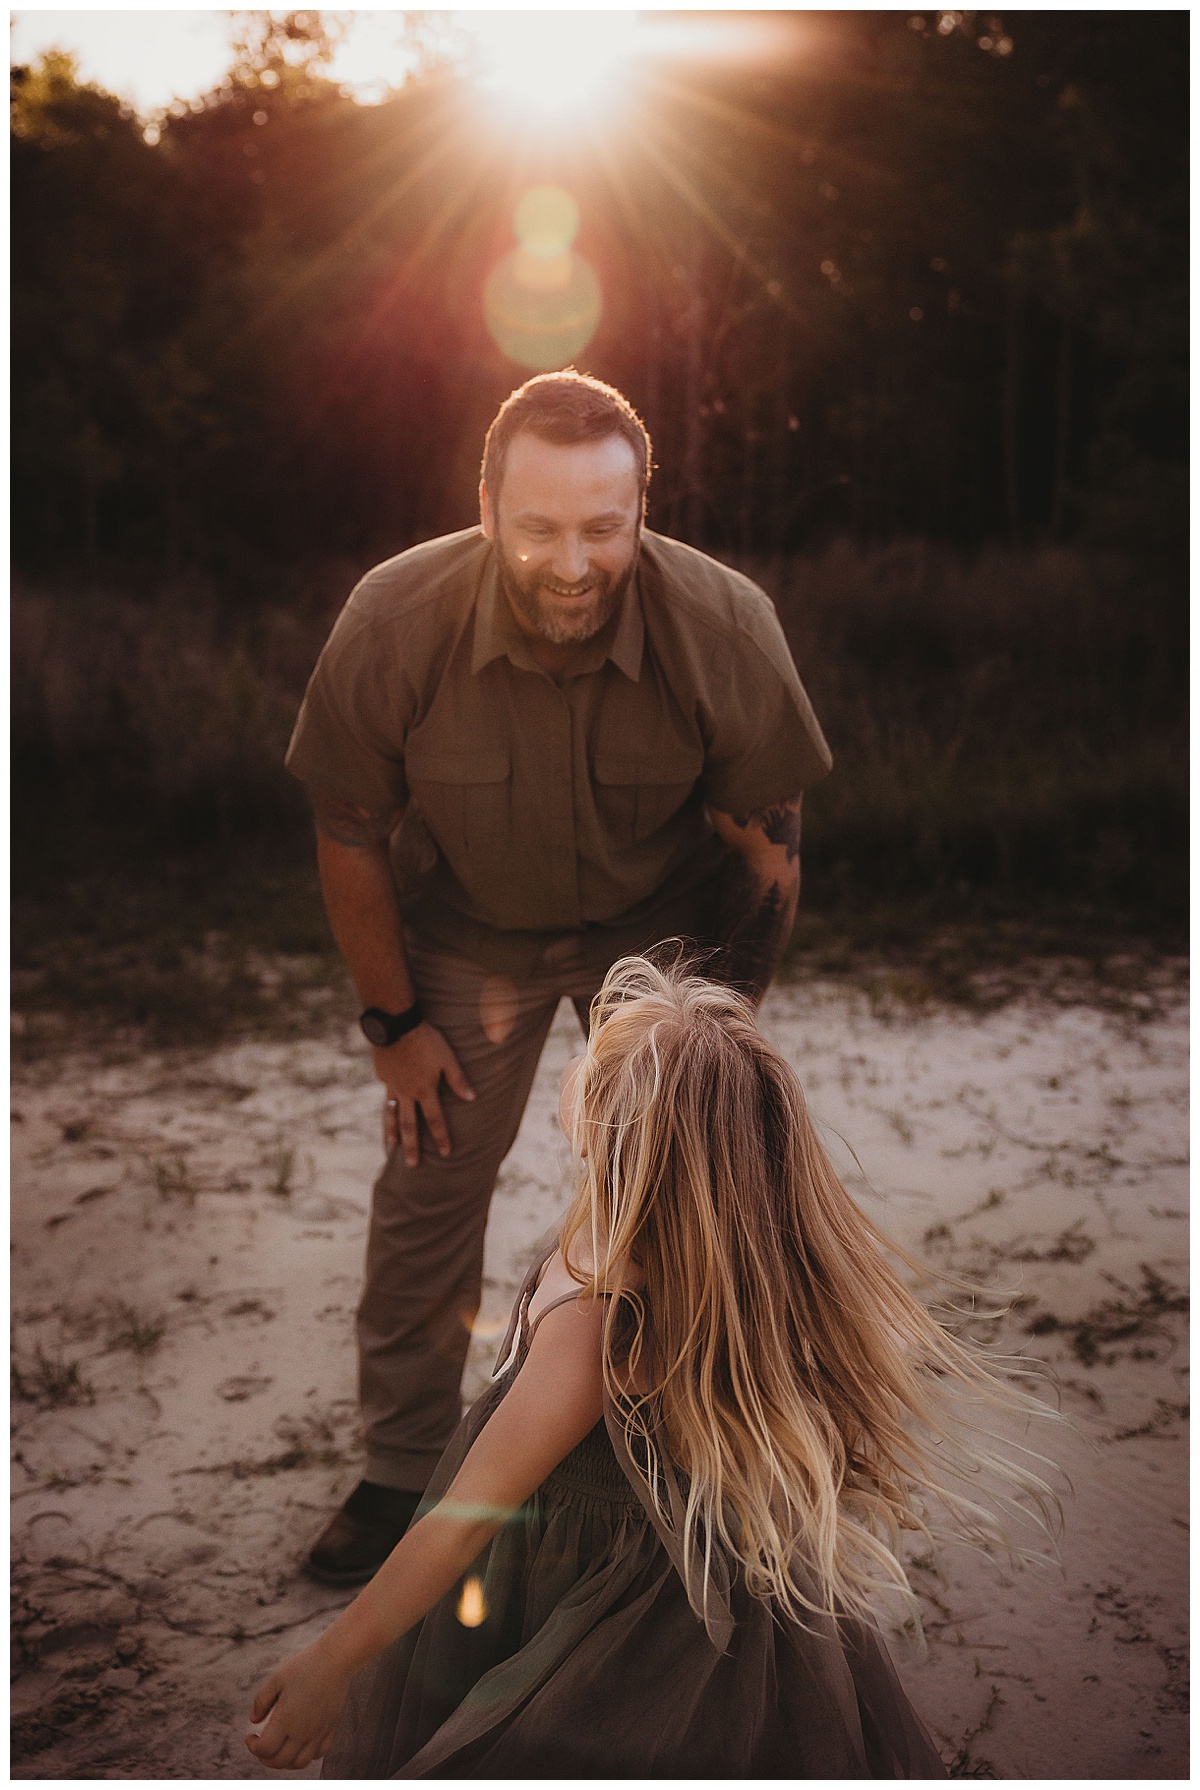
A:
(650, 241)
(374, 322)
(320, 263)
(775, 134)
(728, 238)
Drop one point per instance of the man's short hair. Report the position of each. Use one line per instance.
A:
(564, 408)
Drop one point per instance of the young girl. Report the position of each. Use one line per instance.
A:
(654, 1546)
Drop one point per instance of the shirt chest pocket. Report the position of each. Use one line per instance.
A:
(636, 793)
(465, 799)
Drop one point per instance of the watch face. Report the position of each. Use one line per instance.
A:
(374, 1027)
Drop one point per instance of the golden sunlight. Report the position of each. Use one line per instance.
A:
(553, 64)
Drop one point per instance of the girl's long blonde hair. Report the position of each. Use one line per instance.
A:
(757, 1335)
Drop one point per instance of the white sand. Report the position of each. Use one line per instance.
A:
(160, 1517)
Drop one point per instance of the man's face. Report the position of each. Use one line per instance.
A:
(566, 529)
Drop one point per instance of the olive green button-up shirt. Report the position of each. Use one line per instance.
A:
(535, 806)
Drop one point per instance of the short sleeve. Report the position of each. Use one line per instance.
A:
(766, 743)
(347, 746)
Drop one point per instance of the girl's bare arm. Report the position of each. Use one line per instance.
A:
(552, 1404)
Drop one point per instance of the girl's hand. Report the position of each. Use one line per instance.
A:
(554, 1402)
(302, 1701)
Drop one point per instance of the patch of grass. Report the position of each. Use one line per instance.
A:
(140, 1335)
(1165, 1414)
(51, 1381)
(195, 941)
(1072, 1245)
(963, 1765)
(1135, 1313)
(310, 1441)
(174, 951)
(291, 1460)
(1011, 724)
(981, 951)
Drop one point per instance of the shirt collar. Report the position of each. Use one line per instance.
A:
(497, 634)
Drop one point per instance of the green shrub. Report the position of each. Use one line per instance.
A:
(1010, 728)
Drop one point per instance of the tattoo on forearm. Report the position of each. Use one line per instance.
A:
(781, 824)
(753, 923)
(756, 908)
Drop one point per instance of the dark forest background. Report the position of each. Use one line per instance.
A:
(905, 309)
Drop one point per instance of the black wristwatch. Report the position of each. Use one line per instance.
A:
(381, 1029)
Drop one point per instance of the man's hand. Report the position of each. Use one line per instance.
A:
(302, 1701)
(360, 898)
(411, 1070)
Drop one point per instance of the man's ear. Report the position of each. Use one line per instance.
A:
(487, 519)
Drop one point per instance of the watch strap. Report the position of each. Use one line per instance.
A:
(392, 1025)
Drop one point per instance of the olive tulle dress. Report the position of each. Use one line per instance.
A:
(590, 1661)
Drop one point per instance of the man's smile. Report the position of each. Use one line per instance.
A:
(572, 592)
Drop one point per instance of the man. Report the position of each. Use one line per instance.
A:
(532, 747)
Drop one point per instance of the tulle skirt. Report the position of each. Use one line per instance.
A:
(585, 1659)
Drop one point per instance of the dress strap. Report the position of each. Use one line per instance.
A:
(516, 1324)
(563, 1299)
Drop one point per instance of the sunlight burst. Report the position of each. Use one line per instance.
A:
(552, 64)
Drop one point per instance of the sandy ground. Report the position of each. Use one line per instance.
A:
(188, 1233)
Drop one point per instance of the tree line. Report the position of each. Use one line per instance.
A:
(925, 276)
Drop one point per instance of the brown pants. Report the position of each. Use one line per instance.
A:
(425, 1245)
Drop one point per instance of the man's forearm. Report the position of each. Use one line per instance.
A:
(755, 916)
(760, 887)
(364, 913)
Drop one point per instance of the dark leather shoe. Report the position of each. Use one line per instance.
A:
(361, 1535)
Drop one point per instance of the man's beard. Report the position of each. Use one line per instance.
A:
(532, 596)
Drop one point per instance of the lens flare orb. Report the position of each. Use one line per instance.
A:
(472, 1604)
(542, 302)
(546, 221)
